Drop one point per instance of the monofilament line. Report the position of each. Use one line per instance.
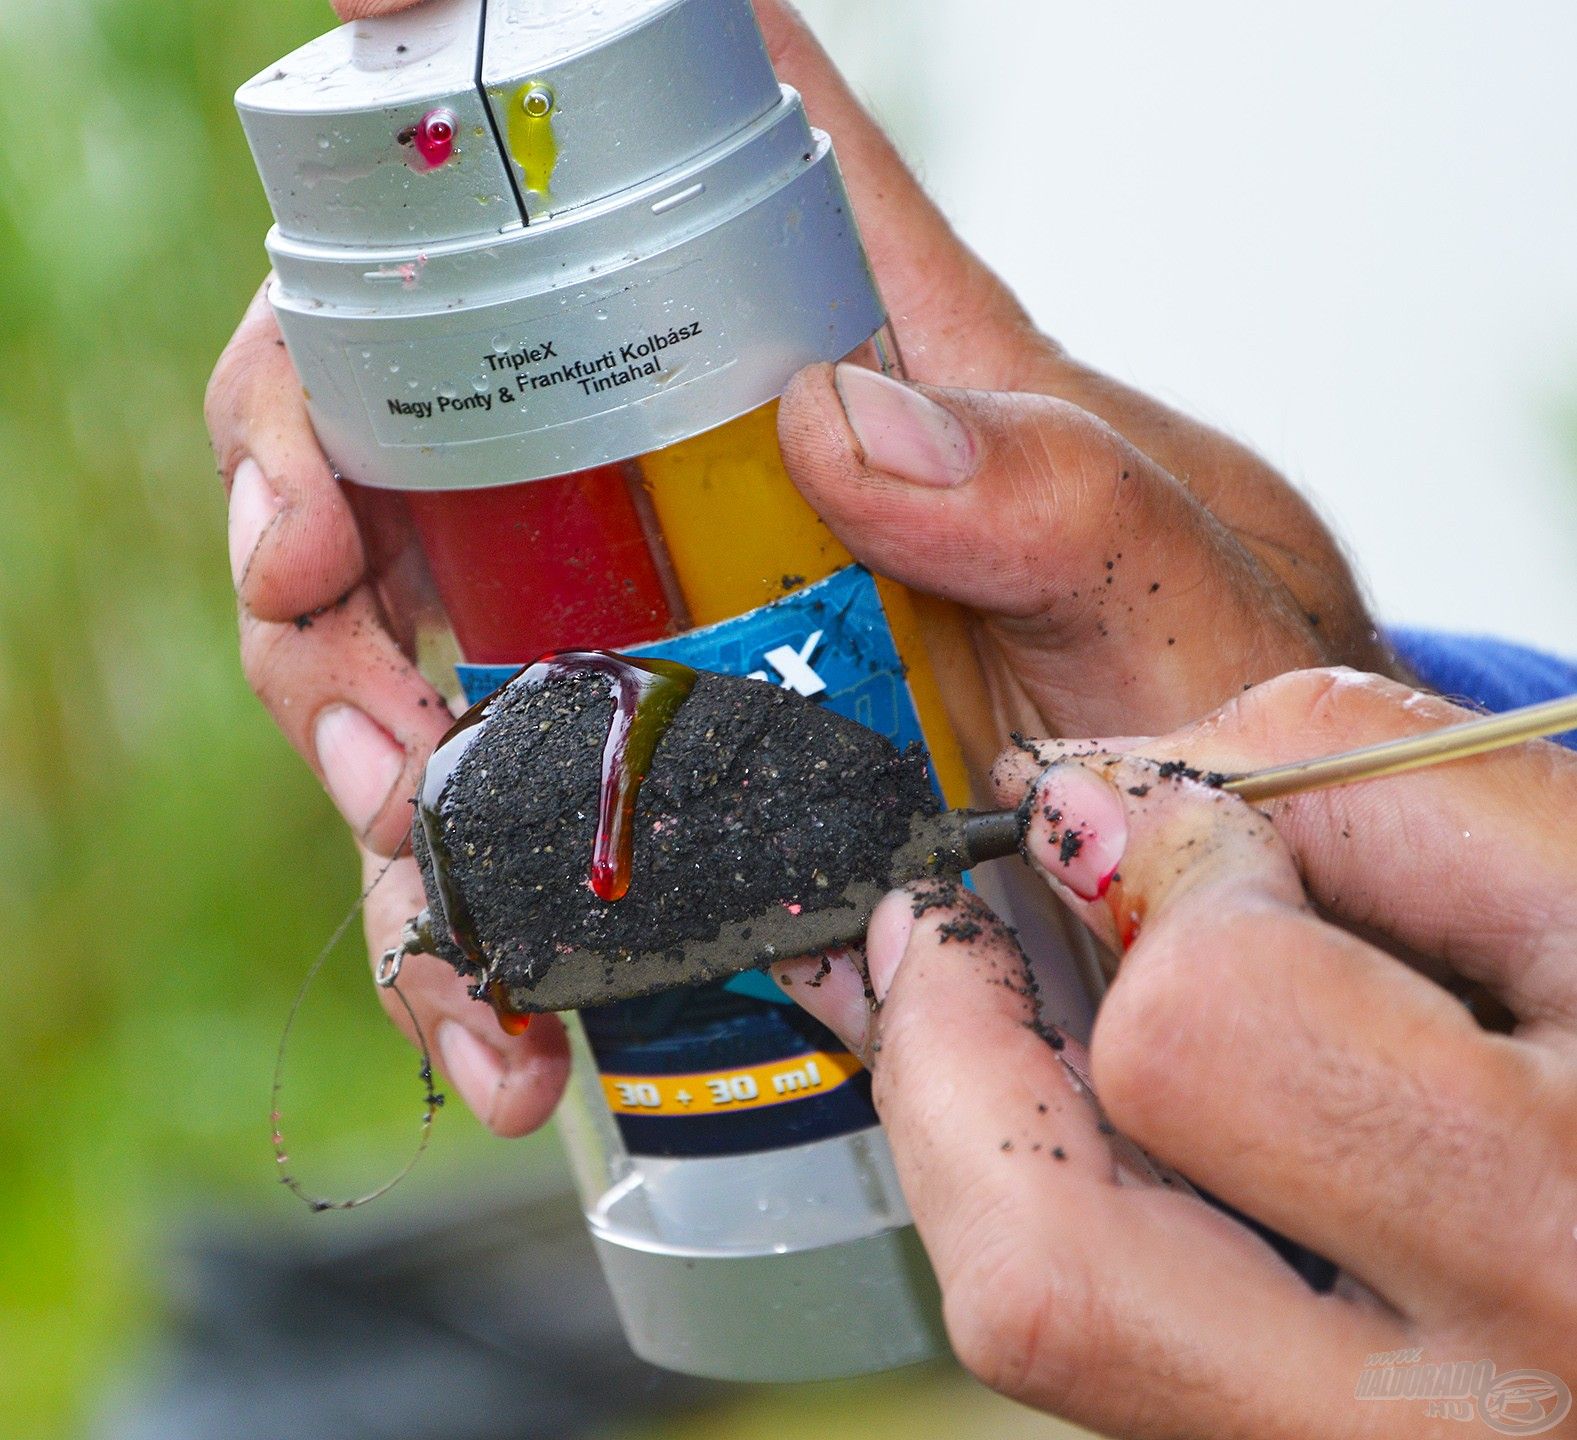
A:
(388, 978)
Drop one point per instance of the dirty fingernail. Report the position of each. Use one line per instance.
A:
(253, 507)
(1078, 829)
(474, 1068)
(360, 761)
(887, 938)
(903, 432)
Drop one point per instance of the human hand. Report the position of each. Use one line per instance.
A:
(1070, 473)
(1304, 1076)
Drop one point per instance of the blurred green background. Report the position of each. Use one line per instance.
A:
(170, 870)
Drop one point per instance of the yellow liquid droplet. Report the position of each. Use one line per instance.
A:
(532, 143)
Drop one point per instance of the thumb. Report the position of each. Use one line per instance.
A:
(1118, 599)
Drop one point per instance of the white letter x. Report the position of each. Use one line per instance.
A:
(795, 668)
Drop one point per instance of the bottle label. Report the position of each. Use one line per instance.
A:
(736, 1066)
(497, 382)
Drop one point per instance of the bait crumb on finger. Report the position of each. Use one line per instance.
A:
(961, 929)
(1182, 770)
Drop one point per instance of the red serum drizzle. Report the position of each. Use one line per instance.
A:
(646, 695)
(433, 136)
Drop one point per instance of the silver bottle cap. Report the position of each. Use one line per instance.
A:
(525, 237)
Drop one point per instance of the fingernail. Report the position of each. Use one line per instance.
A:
(360, 761)
(474, 1068)
(887, 938)
(903, 432)
(253, 508)
(1078, 829)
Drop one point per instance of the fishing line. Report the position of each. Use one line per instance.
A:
(387, 976)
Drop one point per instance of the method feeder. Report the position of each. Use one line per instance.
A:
(715, 825)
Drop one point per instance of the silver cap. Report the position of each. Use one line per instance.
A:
(633, 236)
(325, 126)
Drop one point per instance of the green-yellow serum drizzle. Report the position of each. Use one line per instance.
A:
(532, 142)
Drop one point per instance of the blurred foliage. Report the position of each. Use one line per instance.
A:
(170, 868)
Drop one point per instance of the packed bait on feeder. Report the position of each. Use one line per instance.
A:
(606, 827)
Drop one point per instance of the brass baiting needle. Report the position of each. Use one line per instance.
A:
(1413, 752)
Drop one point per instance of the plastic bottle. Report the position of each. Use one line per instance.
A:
(544, 269)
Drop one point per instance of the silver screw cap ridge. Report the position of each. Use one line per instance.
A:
(618, 92)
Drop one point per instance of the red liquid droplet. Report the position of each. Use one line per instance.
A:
(434, 136)
(1128, 915)
(510, 1020)
(646, 695)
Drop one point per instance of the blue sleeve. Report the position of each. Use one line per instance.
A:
(1492, 675)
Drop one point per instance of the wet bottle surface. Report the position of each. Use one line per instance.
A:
(543, 312)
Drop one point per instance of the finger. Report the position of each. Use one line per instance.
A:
(314, 645)
(355, 707)
(294, 546)
(1119, 601)
(1060, 1288)
(1470, 862)
(833, 988)
(512, 1083)
(365, 9)
(959, 325)
(1298, 1073)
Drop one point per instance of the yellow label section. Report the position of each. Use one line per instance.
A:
(711, 1092)
(739, 536)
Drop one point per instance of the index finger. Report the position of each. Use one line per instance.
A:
(1470, 862)
(307, 553)
(1300, 1074)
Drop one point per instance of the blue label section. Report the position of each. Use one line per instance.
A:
(830, 642)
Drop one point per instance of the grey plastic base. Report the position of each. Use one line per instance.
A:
(819, 1314)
